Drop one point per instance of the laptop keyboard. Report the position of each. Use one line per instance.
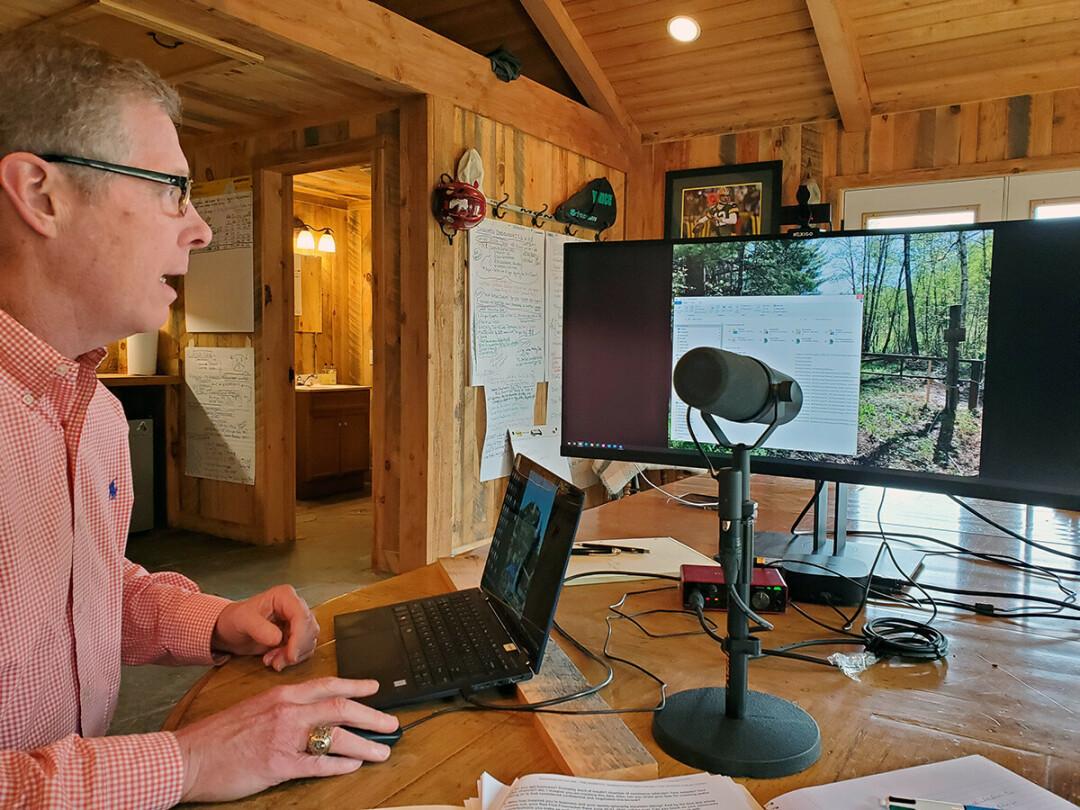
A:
(449, 639)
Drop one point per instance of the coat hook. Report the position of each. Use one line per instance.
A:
(536, 216)
(496, 208)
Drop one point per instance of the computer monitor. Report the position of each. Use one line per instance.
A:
(893, 394)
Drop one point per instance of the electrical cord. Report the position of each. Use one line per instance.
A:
(904, 638)
(672, 496)
(700, 449)
(813, 498)
(1026, 540)
(544, 706)
(633, 617)
(1057, 575)
(885, 636)
(986, 608)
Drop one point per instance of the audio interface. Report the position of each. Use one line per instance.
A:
(768, 591)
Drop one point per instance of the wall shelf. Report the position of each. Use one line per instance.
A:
(118, 380)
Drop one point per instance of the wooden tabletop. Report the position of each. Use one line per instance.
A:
(1007, 690)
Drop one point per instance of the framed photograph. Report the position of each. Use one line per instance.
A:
(741, 199)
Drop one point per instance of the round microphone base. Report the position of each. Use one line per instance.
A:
(773, 738)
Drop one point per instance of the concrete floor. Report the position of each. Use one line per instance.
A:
(331, 556)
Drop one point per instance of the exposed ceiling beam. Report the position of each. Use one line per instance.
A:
(362, 42)
(162, 25)
(577, 59)
(842, 61)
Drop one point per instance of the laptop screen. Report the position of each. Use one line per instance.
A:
(529, 552)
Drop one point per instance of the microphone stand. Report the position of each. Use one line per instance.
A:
(733, 730)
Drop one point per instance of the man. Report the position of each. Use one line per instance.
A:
(94, 221)
(724, 214)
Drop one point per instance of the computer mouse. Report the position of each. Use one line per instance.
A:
(384, 737)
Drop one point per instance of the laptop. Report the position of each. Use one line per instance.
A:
(481, 637)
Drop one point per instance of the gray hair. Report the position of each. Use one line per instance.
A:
(60, 95)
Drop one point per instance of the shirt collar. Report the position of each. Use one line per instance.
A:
(33, 363)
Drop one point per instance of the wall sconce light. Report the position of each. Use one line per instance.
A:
(305, 240)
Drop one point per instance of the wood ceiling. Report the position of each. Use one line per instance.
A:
(338, 187)
(758, 63)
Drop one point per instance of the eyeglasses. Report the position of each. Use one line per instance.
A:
(180, 181)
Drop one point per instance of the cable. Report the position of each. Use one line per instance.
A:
(891, 636)
(1010, 532)
(785, 651)
(543, 707)
(813, 498)
(700, 449)
(673, 497)
(1055, 574)
(632, 617)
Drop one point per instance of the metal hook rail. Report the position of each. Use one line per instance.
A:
(499, 208)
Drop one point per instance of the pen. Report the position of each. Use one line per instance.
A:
(607, 548)
(899, 803)
(579, 551)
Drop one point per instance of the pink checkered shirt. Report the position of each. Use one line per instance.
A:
(72, 608)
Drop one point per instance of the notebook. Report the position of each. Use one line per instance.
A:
(480, 637)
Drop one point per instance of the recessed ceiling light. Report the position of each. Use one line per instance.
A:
(683, 29)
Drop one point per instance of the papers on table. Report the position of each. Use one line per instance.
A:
(545, 791)
(972, 780)
(666, 556)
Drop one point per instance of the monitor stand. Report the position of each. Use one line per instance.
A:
(814, 573)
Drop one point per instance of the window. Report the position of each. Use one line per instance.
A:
(961, 216)
(1058, 209)
(1035, 195)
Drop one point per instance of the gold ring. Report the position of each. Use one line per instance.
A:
(318, 741)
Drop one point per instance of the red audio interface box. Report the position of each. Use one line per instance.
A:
(768, 591)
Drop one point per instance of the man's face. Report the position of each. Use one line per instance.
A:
(130, 238)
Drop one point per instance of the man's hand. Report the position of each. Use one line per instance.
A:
(262, 741)
(275, 624)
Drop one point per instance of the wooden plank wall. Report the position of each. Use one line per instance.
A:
(359, 350)
(1039, 132)
(534, 173)
(259, 513)
(427, 457)
(345, 339)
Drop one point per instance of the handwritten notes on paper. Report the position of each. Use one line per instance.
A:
(509, 404)
(220, 413)
(553, 282)
(506, 303)
(515, 329)
(218, 289)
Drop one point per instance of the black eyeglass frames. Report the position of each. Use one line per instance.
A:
(180, 181)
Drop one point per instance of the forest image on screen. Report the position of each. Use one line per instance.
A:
(863, 323)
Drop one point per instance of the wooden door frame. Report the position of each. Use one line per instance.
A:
(276, 435)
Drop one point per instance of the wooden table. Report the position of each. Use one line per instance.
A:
(1009, 690)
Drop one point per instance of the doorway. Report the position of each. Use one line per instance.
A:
(325, 191)
(333, 358)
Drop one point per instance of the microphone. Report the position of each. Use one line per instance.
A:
(735, 387)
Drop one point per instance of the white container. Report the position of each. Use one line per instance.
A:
(142, 353)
